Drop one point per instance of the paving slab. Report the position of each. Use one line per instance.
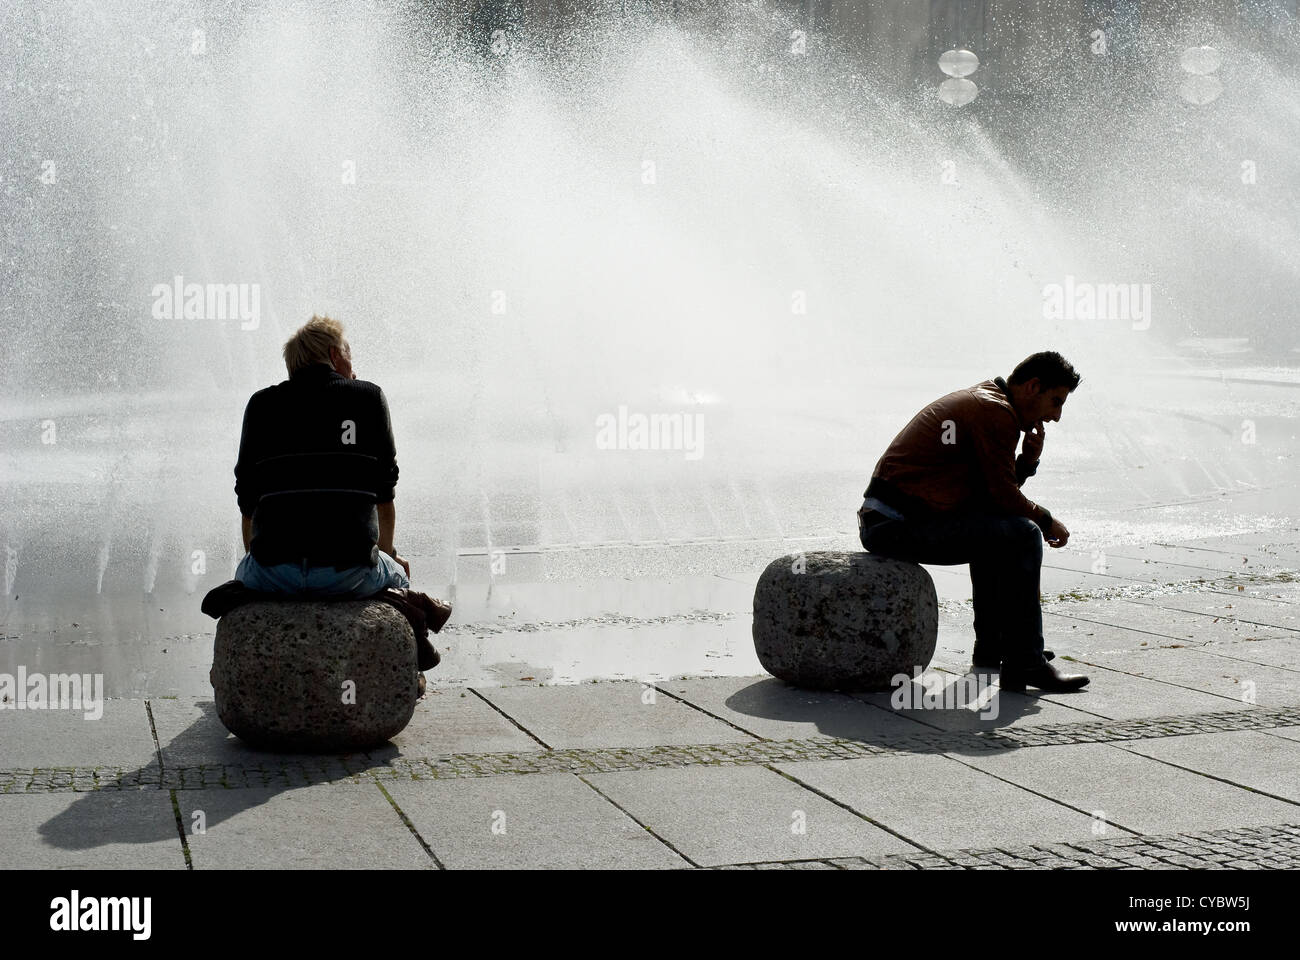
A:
(191, 735)
(1210, 563)
(1248, 610)
(1244, 542)
(995, 709)
(720, 815)
(1249, 758)
(331, 826)
(774, 710)
(104, 830)
(121, 737)
(1072, 636)
(1121, 566)
(942, 804)
(619, 714)
(1133, 791)
(1291, 733)
(1282, 652)
(1163, 624)
(1057, 578)
(1060, 576)
(537, 821)
(1120, 696)
(456, 721)
(1200, 670)
(1275, 592)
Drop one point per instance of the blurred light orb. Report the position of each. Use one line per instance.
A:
(959, 63)
(1201, 89)
(1201, 60)
(958, 92)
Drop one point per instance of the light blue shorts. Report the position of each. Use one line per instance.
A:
(300, 580)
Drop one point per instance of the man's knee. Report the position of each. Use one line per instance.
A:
(1023, 537)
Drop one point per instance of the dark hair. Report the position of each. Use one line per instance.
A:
(1051, 369)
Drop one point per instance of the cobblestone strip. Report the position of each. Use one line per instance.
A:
(1273, 847)
(355, 769)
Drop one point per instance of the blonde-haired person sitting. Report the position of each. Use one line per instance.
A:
(316, 477)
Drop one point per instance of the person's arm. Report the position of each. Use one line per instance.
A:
(387, 527)
(246, 492)
(994, 444)
(1025, 468)
(386, 487)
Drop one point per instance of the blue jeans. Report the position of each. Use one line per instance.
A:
(1005, 556)
(300, 580)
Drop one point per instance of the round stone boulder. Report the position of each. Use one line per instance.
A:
(844, 621)
(315, 676)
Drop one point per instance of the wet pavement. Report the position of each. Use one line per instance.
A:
(1183, 751)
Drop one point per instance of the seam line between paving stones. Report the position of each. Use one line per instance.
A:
(1208, 776)
(157, 746)
(1217, 616)
(1180, 686)
(1184, 546)
(1130, 629)
(1272, 732)
(1240, 594)
(180, 828)
(1255, 663)
(1209, 618)
(530, 733)
(844, 806)
(708, 713)
(410, 826)
(1090, 814)
(1157, 562)
(924, 725)
(644, 826)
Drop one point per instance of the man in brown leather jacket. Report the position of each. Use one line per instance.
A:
(947, 491)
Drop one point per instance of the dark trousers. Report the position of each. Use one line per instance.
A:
(1005, 556)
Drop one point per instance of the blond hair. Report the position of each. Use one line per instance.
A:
(311, 344)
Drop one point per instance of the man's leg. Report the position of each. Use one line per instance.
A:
(1009, 549)
(984, 597)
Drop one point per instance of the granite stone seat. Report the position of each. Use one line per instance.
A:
(315, 676)
(844, 621)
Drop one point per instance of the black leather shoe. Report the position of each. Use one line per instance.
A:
(1044, 677)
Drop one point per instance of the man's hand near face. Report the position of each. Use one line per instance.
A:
(1032, 447)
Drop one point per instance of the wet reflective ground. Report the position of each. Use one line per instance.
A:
(571, 563)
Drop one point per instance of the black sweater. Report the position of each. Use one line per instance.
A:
(315, 457)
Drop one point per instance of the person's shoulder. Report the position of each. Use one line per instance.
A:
(267, 393)
(366, 386)
(993, 401)
(988, 391)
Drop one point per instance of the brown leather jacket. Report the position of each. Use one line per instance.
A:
(959, 453)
